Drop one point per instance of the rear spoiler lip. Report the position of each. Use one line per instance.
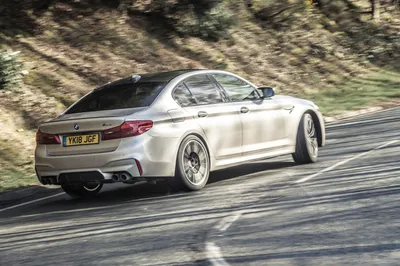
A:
(91, 115)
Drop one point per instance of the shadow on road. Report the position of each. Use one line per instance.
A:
(118, 194)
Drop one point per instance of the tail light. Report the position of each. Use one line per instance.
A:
(127, 129)
(45, 138)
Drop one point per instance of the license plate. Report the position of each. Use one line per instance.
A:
(77, 140)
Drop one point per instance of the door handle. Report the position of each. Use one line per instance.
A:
(289, 108)
(244, 110)
(202, 114)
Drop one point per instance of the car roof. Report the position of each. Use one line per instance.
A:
(162, 77)
(165, 76)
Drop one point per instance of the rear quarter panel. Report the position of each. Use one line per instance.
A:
(171, 124)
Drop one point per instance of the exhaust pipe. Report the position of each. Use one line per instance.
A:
(125, 177)
(115, 177)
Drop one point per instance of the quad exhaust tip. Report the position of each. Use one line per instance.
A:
(116, 177)
(125, 177)
(121, 177)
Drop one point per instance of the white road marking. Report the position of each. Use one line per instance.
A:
(359, 122)
(228, 221)
(344, 162)
(32, 201)
(214, 255)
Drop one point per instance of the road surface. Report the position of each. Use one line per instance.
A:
(343, 210)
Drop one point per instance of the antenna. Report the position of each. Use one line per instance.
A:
(135, 78)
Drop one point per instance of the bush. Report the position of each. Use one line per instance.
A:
(211, 24)
(208, 19)
(10, 70)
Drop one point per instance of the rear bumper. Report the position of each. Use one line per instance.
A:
(156, 158)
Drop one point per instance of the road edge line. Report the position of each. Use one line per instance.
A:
(32, 201)
(307, 178)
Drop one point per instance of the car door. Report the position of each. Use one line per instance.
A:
(263, 123)
(219, 120)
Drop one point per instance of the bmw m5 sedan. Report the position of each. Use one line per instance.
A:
(178, 126)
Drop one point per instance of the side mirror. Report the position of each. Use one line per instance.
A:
(267, 92)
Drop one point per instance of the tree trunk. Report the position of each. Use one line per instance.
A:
(248, 4)
(376, 8)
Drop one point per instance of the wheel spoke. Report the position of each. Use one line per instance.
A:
(191, 176)
(192, 146)
(186, 154)
(202, 172)
(197, 177)
(202, 157)
(188, 171)
(186, 168)
(313, 146)
(311, 133)
(196, 148)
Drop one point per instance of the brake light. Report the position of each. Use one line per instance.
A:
(127, 129)
(45, 138)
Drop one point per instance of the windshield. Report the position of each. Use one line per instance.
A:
(119, 96)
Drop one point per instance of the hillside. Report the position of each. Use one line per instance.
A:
(333, 54)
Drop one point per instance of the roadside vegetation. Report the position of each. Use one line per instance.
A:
(343, 54)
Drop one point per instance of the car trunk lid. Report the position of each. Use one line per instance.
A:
(81, 136)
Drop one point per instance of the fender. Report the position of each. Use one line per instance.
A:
(319, 125)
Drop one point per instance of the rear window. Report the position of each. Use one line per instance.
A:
(119, 96)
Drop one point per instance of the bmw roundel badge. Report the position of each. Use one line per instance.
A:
(76, 126)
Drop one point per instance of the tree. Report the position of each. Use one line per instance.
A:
(375, 9)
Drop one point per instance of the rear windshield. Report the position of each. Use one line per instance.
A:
(119, 96)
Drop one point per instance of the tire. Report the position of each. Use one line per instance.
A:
(192, 164)
(306, 141)
(81, 190)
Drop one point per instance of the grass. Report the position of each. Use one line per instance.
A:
(377, 88)
(14, 179)
(16, 167)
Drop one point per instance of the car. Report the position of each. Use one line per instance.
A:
(177, 126)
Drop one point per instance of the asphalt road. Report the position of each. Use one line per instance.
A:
(342, 210)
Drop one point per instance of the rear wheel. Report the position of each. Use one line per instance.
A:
(82, 190)
(193, 164)
(306, 142)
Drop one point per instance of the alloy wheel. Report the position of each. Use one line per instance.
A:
(311, 135)
(195, 162)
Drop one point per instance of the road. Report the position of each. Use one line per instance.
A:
(342, 210)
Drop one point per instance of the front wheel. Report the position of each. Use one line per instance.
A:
(306, 141)
(82, 190)
(192, 164)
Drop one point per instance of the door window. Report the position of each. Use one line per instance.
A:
(204, 90)
(236, 89)
(183, 96)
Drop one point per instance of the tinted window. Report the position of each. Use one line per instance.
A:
(183, 96)
(119, 96)
(204, 90)
(237, 89)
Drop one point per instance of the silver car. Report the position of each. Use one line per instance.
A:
(176, 125)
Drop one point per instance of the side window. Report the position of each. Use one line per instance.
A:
(204, 90)
(183, 96)
(237, 89)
